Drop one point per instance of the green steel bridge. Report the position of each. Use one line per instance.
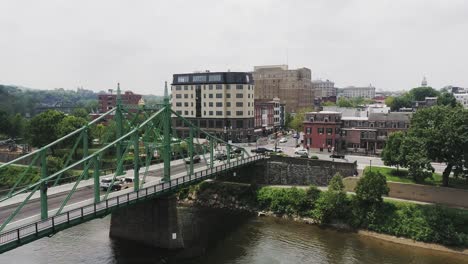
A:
(160, 163)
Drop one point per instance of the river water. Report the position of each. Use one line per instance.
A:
(217, 236)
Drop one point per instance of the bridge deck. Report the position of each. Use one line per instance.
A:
(87, 210)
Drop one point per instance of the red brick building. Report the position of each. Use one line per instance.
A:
(322, 130)
(108, 101)
(266, 115)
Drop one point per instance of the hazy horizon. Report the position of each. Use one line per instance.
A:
(96, 44)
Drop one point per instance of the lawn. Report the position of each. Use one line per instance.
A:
(401, 175)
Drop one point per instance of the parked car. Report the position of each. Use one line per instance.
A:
(196, 159)
(301, 152)
(337, 156)
(260, 150)
(283, 140)
(238, 150)
(277, 149)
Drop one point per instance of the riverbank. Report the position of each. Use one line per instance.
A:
(425, 226)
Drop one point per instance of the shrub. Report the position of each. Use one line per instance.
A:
(284, 200)
(330, 205)
(336, 183)
(370, 188)
(314, 157)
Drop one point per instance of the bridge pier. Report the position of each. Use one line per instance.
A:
(153, 222)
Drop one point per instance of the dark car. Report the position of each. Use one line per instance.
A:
(337, 156)
(196, 159)
(260, 150)
(238, 150)
(220, 156)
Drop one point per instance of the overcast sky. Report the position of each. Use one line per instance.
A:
(95, 44)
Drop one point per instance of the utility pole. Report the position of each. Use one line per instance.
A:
(167, 135)
(118, 121)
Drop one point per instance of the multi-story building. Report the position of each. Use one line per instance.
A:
(267, 115)
(462, 98)
(294, 87)
(108, 101)
(364, 134)
(218, 102)
(324, 89)
(354, 92)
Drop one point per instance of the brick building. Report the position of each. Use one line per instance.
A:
(362, 134)
(108, 101)
(267, 115)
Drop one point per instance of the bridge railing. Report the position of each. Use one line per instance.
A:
(85, 213)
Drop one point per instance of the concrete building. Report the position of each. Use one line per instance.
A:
(462, 98)
(108, 101)
(293, 87)
(360, 134)
(267, 115)
(324, 89)
(218, 102)
(354, 92)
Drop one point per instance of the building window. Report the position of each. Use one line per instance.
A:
(329, 131)
(308, 130)
(219, 95)
(320, 130)
(204, 104)
(219, 113)
(204, 113)
(185, 96)
(204, 95)
(186, 112)
(191, 96)
(239, 104)
(185, 88)
(210, 113)
(210, 95)
(239, 124)
(329, 142)
(178, 88)
(210, 104)
(186, 104)
(219, 87)
(239, 113)
(228, 87)
(178, 96)
(239, 95)
(179, 104)
(228, 95)
(210, 87)
(183, 79)
(191, 104)
(219, 104)
(228, 113)
(214, 78)
(228, 104)
(239, 87)
(179, 112)
(199, 78)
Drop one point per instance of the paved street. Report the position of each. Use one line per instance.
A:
(362, 161)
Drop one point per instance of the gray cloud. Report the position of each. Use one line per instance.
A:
(95, 44)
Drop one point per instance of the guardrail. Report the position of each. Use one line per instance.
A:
(30, 232)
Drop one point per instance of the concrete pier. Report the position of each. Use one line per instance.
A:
(154, 223)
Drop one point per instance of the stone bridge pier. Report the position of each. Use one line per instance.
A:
(152, 222)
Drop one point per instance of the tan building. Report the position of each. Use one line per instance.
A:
(218, 102)
(293, 87)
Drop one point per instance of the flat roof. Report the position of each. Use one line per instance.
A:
(362, 118)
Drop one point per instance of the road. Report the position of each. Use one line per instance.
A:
(362, 161)
(55, 200)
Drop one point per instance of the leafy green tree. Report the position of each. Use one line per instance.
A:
(328, 104)
(18, 126)
(371, 187)
(444, 132)
(81, 112)
(4, 123)
(297, 122)
(447, 99)
(54, 164)
(98, 132)
(44, 128)
(69, 124)
(343, 102)
(336, 183)
(391, 154)
(287, 119)
(420, 93)
(398, 102)
(414, 156)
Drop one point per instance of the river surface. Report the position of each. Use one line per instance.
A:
(217, 236)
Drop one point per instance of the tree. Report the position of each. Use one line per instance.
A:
(18, 126)
(420, 93)
(336, 183)
(444, 132)
(343, 102)
(44, 128)
(447, 99)
(4, 123)
(81, 112)
(398, 102)
(391, 153)
(414, 157)
(287, 119)
(69, 124)
(297, 122)
(371, 187)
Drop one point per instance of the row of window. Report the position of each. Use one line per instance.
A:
(212, 104)
(320, 130)
(212, 86)
(212, 113)
(217, 124)
(379, 124)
